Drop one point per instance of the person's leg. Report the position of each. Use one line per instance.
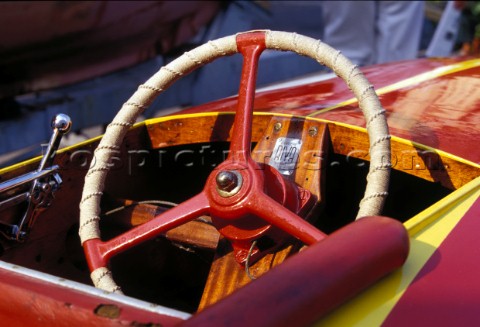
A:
(349, 27)
(399, 27)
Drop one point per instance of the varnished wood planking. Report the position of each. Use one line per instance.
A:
(407, 157)
(209, 128)
(199, 233)
(421, 162)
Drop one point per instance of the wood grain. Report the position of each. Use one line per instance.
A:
(406, 157)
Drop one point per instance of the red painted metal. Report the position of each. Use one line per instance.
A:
(446, 292)
(250, 45)
(28, 301)
(263, 193)
(316, 280)
(98, 253)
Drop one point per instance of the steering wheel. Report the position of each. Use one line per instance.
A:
(238, 187)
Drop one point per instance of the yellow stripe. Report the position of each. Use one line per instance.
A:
(427, 231)
(441, 153)
(397, 139)
(68, 148)
(213, 114)
(420, 78)
(144, 123)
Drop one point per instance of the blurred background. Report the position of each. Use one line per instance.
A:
(86, 58)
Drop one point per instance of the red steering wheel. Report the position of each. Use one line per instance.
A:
(239, 188)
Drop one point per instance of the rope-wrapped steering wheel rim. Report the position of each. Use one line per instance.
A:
(379, 138)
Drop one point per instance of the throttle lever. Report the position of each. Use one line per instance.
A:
(42, 188)
(61, 125)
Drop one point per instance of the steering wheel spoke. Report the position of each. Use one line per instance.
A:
(276, 214)
(251, 47)
(98, 253)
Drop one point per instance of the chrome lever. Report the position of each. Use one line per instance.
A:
(45, 181)
(61, 125)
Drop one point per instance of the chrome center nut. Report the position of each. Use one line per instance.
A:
(229, 182)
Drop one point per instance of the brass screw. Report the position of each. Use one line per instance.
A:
(312, 131)
(277, 127)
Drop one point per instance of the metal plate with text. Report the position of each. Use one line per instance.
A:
(285, 155)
